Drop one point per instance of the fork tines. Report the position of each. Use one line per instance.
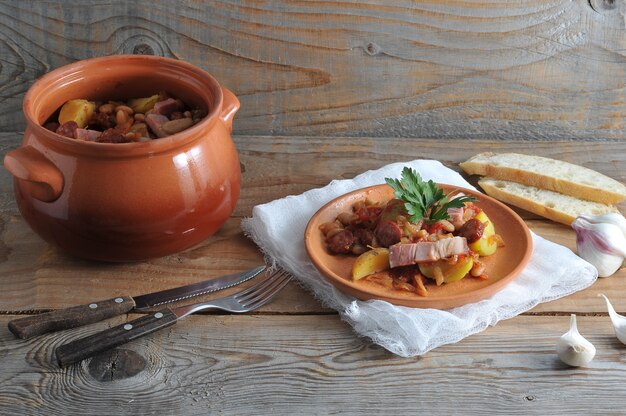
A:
(261, 293)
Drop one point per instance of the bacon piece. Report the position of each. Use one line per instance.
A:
(407, 254)
(456, 217)
(166, 107)
(87, 135)
(155, 122)
(67, 129)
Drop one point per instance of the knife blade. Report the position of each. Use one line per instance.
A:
(75, 316)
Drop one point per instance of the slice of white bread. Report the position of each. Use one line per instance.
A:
(545, 173)
(557, 207)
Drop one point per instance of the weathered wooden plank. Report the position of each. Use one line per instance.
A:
(446, 69)
(35, 276)
(285, 365)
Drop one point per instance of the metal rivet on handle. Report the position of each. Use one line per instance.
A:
(158, 315)
(128, 327)
(119, 300)
(93, 305)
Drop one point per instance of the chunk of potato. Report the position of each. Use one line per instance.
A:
(451, 272)
(143, 105)
(77, 110)
(489, 228)
(373, 261)
(486, 245)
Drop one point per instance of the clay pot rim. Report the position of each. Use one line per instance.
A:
(56, 77)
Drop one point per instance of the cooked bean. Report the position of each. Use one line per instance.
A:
(347, 218)
(125, 109)
(478, 268)
(327, 226)
(121, 117)
(446, 225)
(358, 249)
(140, 128)
(106, 108)
(333, 231)
(139, 117)
(132, 136)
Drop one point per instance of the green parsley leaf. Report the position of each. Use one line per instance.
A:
(424, 200)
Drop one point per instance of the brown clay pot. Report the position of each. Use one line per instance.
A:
(130, 201)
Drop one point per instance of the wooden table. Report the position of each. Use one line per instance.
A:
(294, 356)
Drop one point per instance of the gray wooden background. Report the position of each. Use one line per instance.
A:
(523, 69)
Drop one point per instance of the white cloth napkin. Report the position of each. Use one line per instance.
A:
(278, 228)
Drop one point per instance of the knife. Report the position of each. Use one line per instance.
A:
(74, 316)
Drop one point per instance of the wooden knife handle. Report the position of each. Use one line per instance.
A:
(80, 349)
(70, 317)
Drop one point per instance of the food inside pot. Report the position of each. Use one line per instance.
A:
(135, 120)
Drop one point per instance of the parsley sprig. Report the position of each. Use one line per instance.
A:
(424, 200)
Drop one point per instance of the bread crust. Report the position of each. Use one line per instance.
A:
(477, 167)
(529, 204)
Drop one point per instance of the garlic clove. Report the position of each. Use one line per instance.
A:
(609, 218)
(619, 321)
(573, 349)
(602, 244)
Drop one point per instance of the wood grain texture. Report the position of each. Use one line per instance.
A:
(292, 365)
(540, 69)
(36, 276)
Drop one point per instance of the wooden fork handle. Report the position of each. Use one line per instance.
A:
(82, 348)
(70, 317)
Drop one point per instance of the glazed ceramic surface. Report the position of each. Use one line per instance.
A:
(502, 267)
(130, 201)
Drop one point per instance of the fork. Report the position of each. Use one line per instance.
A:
(243, 301)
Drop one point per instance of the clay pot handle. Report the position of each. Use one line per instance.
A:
(44, 179)
(230, 105)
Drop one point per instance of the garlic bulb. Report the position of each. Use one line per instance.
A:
(602, 244)
(573, 349)
(619, 321)
(610, 218)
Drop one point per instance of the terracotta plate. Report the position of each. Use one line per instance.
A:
(502, 267)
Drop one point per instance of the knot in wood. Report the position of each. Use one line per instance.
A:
(372, 49)
(603, 5)
(116, 364)
(143, 49)
(142, 44)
